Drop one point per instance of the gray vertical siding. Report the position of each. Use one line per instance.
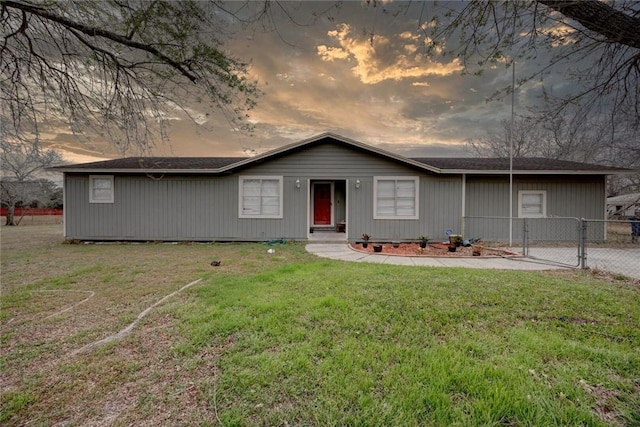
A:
(190, 207)
(567, 196)
(442, 203)
(176, 208)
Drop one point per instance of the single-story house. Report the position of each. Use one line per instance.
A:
(623, 206)
(327, 182)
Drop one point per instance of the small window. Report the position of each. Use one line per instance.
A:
(395, 197)
(532, 204)
(260, 197)
(101, 189)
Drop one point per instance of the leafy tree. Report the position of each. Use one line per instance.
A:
(20, 165)
(118, 67)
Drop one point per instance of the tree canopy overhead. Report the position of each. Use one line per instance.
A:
(123, 67)
(119, 67)
(596, 44)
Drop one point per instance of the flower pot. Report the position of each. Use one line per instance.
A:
(365, 244)
(455, 239)
(396, 244)
(423, 245)
(377, 248)
(452, 248)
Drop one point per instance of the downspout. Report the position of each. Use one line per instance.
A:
(605, 216)
(464, 206)
(308, 212)
(64, 205)
(346, 209)
(513, 101)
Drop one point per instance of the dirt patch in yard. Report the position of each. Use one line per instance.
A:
(57, 298)
(434, 250)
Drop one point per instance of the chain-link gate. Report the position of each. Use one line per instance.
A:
(607, 245)
(554, 239)
(551, 239)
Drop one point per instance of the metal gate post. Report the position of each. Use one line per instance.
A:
(524, 237)
(582, 242)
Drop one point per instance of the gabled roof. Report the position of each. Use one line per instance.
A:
(438, 165)
(341, 140)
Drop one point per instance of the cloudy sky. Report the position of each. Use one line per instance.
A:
(357, 71)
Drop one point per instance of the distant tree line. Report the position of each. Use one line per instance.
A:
(39, 193)
(589, 141)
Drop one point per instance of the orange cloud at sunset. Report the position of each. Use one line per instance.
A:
(377, 59)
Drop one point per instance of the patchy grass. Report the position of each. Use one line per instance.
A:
(291, 339)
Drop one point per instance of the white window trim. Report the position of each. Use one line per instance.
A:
(544, 203)
(241, 180)
(416, 179)
(94, 177)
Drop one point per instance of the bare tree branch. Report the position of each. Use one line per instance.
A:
(117, 69)
(98, 32)
(599, 17)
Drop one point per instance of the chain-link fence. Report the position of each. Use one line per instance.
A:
(599, 244)
(618, 251)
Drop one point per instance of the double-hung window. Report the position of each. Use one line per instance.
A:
(101, 189)
(395, 197)
(532, 204)
(260, 197)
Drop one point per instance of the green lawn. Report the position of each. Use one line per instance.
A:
(290, 339)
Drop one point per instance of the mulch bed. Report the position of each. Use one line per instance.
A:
(433, 250)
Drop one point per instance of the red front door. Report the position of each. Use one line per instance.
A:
(322, 204)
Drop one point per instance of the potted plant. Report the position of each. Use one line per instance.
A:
(377, 247)
(396, 244)
(455, 239)
(365, 240)
(423, 241)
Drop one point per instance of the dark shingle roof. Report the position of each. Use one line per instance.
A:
(502, 164)
(159, 163)
(444, 164)
(438, 165)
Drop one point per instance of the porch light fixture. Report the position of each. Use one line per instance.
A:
(357, 183)
(297, 183)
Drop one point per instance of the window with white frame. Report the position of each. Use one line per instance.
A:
(101, 189)
(395, 197)
(260, 197)
(532, 204)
